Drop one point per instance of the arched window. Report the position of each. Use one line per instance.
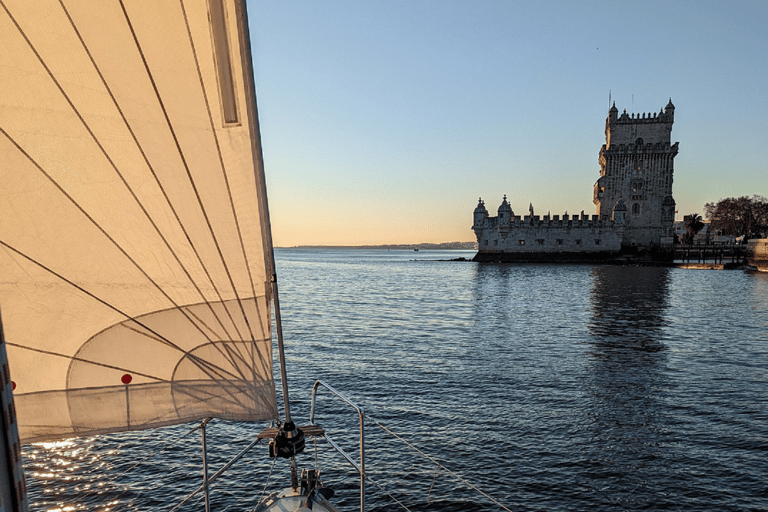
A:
(635, 208)
(639, 142)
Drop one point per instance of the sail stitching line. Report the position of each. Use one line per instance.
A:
(112, 367)
(105, 234)
(223, 168)
(183, 160)
(213, 369)
(168, 201)
(157, 181)
(83, 360)
(178, 146)
(226, 181)
(70, 198)
(165, 340)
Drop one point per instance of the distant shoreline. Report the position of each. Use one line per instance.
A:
(464, 246)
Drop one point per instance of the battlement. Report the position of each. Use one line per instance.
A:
(550, 220)
(539, 235)
(517, 221)
(652, 117)
(651, 131)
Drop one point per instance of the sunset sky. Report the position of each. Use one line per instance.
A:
(384, 121)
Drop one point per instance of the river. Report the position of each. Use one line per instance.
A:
(548, 387)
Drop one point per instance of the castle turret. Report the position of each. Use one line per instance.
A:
(480, 214)
(669, 110)
(613, 114)
(505, 213)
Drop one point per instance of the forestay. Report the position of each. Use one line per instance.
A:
(134, 239)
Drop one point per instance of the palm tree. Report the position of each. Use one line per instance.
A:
(693, 224)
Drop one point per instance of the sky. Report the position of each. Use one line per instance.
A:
(383, 122)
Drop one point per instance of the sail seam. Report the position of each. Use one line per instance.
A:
(163, 191)
(223, 170)
(164, 340)
(64, 192)
(87, 361)
(183, 159)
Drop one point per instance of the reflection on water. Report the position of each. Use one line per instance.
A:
(626, 384)
(551, 387)
(628, 306)
(71, 474)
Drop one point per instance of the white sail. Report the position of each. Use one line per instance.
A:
(134, 242)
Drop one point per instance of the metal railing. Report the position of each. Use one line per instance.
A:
(361, 466)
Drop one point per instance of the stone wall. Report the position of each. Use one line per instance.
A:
(549, 238)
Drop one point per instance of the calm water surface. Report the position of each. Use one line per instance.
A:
(571, 387)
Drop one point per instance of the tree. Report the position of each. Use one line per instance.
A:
(693, 224)
(739, 216)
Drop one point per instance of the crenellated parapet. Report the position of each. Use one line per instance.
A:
(541, 235)
(650, 117)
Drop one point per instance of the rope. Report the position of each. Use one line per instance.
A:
(374, 482)
(434, 479)
(266, 483)
(465, 482)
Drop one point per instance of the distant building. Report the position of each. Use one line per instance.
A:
(633, 198)
(705, 235)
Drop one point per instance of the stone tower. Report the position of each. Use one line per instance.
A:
(637, 166)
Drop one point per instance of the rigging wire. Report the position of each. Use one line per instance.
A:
(434, 479)
(435, 461)
(261, 497)
(163, 448)
(220, 472)
(374, 482)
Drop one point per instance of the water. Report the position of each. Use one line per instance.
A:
(549, 387)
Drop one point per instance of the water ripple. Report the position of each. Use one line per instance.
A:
(550, 387)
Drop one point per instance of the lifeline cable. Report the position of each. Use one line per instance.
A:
(145, 459)
(374, 482)
(220, 472)
(266, 484)
(458, 477)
